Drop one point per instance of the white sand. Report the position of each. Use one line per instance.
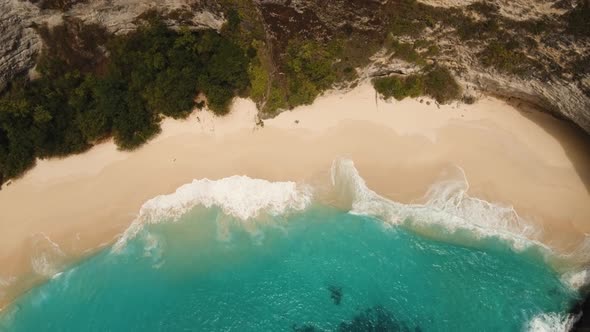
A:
(528, 160)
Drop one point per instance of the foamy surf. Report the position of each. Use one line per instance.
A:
(240, 197)
(447, 205)
(551, 322)
(577, 279)
(252, 255)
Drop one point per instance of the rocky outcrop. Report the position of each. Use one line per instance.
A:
(561, 98)
(554, 83)
(20, 42)
(514, 9)
(119, 16)
(563, 91)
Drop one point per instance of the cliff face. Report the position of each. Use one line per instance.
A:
(524, 49)
(20, 41)
(561, 85)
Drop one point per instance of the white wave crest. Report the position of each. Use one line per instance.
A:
(447, 204)
(240, 197)
(551, 322)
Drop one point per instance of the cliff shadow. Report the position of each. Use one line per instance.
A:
(573, 139)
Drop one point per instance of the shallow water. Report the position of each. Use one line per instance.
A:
(318, 269)
(241, 254)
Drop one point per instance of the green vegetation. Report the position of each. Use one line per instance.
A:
(309, 70)
(246, 28)
(507, 57)
(399, 87)
(437, 82)
(294, 69)
(481, 23)
(85, 94)
(94, 85)
(410, 17)
(259, 80)
(407, 52)
(264, 89)
(440, 84)
(152, 72)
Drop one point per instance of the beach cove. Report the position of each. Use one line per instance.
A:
(65, 209)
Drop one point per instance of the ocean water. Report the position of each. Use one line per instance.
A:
(248, 255)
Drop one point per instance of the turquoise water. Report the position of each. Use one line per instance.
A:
(317, 270)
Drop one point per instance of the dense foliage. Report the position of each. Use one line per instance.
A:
(93, 85)
(309, 67)
(437, 82)
(399, 87)
(506, 57)
(152, 72)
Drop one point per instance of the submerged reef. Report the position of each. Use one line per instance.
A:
(375, 318)
(336, 294)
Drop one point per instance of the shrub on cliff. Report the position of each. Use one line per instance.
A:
(437, 82)
(309, 67)
(399, 87)
(440, 84)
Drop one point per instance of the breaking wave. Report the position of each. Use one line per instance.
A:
(448, 212)
(551, 322)
(240, 197)
(576, 279)
(447, 205)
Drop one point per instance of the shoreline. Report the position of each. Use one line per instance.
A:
(531, 161)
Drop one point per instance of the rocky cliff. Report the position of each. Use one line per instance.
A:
(534, 50)
(20, 41)
(560, 83)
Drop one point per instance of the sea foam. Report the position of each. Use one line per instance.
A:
(240, 197)
(576, 279)
(447, 205)
(551, 322)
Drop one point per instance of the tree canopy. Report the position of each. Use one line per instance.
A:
(150, 73)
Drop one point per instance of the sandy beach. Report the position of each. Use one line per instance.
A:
(526, 159)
